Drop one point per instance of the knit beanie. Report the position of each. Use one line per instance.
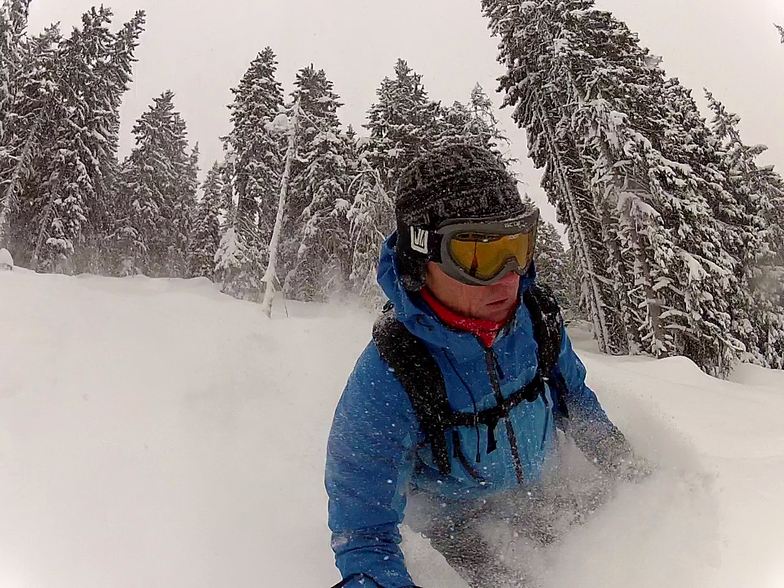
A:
(459, 181)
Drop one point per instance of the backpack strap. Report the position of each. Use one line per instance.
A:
(416, 369)
(548, 324)
(548, 327)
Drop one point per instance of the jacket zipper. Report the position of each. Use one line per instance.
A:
(492, 369)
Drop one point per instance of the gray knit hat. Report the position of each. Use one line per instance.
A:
(459, 181)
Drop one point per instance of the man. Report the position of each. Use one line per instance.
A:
(468, 317)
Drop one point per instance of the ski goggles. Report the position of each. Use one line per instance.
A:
(479, 252)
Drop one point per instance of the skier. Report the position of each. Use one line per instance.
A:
(452, 408)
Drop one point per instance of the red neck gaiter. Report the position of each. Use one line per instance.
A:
(486, 331)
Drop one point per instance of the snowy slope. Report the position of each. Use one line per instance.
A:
(157, 433)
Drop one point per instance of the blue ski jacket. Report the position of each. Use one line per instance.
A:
(376, 452)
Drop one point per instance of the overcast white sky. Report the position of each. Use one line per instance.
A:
(200, 49)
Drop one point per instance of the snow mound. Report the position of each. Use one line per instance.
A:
(6, 261)
(159, 433)
(753, 375)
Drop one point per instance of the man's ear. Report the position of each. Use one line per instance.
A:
(413, 273)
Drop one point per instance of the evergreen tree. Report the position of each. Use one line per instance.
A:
(316, 240)
(232, 263)
(13, 31)
(403, 124)
(473, 123)
(639, 201)
(683, 256)
(754, 206)
(158, 181)
(485, 124)
(21, 105)
(551, 262)
(114, 71)
(59, 197)
(256, 167)
(372, 219)
(206, 233)
(537, 87)
(574, 293)
(94, 70)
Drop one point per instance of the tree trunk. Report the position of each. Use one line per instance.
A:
(42, 232)
(596, 303)
(269, 276)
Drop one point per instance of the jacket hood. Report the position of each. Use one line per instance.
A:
(423, 322)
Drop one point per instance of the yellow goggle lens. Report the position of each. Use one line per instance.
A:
(483, 256)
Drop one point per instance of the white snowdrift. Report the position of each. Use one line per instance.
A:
(158, 433)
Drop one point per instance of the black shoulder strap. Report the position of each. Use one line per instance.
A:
(416, 369)
(548, 325)
(418, 372)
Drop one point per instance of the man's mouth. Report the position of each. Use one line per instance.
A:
(499, 302)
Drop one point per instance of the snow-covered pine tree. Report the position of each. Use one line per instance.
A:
(31, 122)
(403, 123)
(754, 206)
(230, 257)
(670, 186)
(473, 122)
(256, 164)
(621, 141)
(13, 37)
(484, 122)
(575, 307)
(372, 219)
(315, 239)
(537, 86)
(607, 71)
(183, 213)
(290, 128)
(9, 51)
(91, 79)
(551, 262)
(694, 253)
(228, 205)
(114, 70)
(69, 92)
(14, 59)
(158, 183)
(29, 91)
(639, 216)
(206, 232)
(18, 128)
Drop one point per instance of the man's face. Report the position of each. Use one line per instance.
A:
(490, 303)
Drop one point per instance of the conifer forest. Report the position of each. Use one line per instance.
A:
(675, 229)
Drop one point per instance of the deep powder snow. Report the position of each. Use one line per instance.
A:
(158, 433)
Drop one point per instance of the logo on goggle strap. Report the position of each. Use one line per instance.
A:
(419, 240)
